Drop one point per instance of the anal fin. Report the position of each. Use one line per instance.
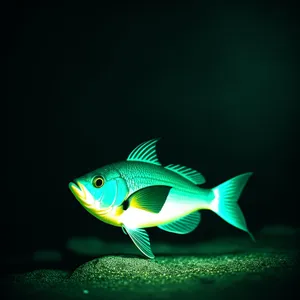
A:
(183, 225)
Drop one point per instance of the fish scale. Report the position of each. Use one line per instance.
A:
(140, 174)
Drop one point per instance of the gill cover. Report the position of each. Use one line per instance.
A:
(103, 197)
(112, 193)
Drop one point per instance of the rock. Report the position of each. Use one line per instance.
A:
(117, 272)
(221, 269)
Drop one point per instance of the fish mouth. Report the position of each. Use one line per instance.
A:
(85, 198)
(78, 190)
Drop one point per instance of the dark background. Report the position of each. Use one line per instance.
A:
(87, 83)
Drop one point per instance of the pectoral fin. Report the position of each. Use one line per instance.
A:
(141, 239)
(183, 225)
(151, 199)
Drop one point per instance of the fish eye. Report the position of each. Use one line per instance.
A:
(98, 182)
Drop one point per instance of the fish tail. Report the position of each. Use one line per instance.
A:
(225, 201)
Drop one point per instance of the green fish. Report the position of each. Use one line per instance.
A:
(139, 193)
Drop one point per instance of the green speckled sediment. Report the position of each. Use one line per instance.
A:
(130, 273)
(228, 268)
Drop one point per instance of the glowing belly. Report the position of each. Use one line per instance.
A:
(177, 205)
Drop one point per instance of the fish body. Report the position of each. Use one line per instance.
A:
(139, 175)
(139, 193)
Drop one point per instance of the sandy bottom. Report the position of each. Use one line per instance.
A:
(221, 269)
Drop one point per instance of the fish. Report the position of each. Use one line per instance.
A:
(139, 193)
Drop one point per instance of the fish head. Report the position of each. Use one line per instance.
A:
(100, 190)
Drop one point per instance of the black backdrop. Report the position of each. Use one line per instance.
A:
(87, 83)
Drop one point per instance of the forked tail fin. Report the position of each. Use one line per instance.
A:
(225, 202)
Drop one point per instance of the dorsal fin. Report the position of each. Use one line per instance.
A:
(145, 152)
(188, 173)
